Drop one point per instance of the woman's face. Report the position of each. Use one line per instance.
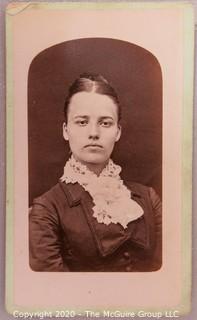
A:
(92, 127)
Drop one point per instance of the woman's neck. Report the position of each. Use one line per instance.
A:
(96, 168)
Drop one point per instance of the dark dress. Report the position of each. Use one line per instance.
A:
(64, 235)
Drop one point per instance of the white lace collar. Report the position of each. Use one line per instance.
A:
(112, 199)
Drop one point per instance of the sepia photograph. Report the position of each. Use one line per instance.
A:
(99, 131)
(103, 214)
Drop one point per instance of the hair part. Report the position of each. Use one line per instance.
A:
(90, 82)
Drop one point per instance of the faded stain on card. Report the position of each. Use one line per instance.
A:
(16, 8)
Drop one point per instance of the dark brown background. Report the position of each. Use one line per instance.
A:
(135, 74)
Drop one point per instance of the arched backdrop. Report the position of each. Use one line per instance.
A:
(135, 74)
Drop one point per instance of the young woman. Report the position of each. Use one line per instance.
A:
(92, 220)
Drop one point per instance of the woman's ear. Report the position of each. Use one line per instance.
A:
(65, 132)
(119, 130)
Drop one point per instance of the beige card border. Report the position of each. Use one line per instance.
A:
(187, 146)
(188, 50)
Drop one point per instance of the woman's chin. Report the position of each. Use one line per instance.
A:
(93, 159)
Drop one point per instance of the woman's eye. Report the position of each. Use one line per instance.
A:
(82, 122)
(106, 124)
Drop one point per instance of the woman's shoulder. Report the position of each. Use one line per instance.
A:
(50, 197)
(137, 188)
(59, 194)
(141, 190)
(49, 193)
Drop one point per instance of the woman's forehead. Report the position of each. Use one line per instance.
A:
(92, 103)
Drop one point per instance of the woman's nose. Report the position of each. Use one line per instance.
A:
(94, 131)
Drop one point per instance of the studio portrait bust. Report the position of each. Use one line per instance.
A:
(99, 168)
(94, 220)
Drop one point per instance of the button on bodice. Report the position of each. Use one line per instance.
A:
(128, 268)
(126, 255)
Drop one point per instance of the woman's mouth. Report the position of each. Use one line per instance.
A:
(93, 145)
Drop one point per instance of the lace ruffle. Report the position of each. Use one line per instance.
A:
(111, 198)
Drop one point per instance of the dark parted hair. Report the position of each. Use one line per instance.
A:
(90, 82)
